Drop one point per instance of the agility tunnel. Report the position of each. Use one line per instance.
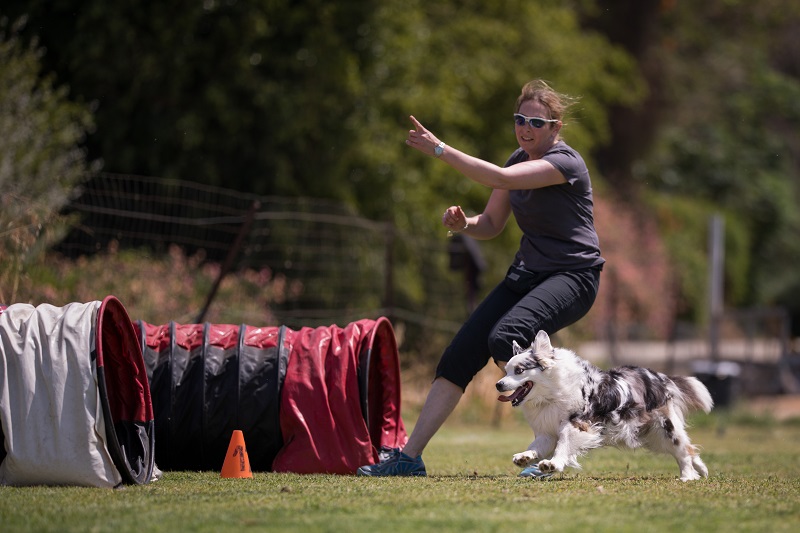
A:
(75, 406)
(88, 397)
(313, 400)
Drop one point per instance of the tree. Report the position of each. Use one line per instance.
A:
(41, 158)
(312, 98)
(730, 142)
(279, 97)
(716, 133)
(251, 95)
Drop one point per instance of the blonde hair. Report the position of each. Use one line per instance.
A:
(538, 90)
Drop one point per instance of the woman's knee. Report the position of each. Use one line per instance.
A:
(501, 342)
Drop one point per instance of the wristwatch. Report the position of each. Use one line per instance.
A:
(439, 150)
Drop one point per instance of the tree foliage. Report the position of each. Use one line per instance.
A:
(679, 116)
(313, 98)
(41, 160)
(730, 142)
(279, 97)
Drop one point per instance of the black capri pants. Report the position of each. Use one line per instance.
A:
(521, 305)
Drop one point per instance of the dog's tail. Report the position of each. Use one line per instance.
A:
(694, 395)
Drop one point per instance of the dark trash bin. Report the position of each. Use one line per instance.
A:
(721, 378)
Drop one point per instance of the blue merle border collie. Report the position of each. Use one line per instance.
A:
(573, 406)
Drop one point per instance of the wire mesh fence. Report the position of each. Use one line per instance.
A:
(337, 266)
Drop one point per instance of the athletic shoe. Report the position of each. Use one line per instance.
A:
(396, 464)
(386, 453)
(534, 472)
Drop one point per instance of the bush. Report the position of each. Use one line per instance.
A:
(157, 289)
(41, 158)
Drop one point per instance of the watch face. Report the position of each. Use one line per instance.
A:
(439, 150)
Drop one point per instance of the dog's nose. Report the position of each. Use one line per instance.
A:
(500, 386)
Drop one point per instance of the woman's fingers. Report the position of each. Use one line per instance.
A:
(454, 217)
(419, 127)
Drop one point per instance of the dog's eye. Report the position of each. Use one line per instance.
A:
(518, 370)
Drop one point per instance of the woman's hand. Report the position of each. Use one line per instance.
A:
(422, 139)
(454, 219)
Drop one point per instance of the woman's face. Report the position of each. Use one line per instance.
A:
(536, 141)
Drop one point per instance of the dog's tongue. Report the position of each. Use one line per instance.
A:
(512, 397)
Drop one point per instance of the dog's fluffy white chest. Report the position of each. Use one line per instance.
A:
(543, 419)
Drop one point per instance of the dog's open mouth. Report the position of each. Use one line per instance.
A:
(518, 395)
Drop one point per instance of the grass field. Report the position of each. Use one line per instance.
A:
(754, 485)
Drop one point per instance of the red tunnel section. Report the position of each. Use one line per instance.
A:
(313, 400)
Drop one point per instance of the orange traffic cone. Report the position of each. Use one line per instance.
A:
(237, 463)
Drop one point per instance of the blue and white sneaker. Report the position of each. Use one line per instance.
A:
(534, 472)
(386, 453)
(394, 463)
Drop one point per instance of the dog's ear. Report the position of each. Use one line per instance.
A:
(541, 344)
(517, 349)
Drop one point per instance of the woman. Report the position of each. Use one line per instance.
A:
(554, 277)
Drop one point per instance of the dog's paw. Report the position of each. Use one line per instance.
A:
(699, 466)
(548, 467)
(690, 476)
(524, 458)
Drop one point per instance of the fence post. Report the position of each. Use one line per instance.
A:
(388, 279)
(233, 251)
(716, 275)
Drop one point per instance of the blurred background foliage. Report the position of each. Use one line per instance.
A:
(685, 109)
(42, 158)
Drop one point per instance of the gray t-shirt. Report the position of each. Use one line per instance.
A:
(557, 222)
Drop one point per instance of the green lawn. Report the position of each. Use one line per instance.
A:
(754, 485)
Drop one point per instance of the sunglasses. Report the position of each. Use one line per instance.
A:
(535, 122)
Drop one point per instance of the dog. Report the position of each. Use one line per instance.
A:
(573, 407)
